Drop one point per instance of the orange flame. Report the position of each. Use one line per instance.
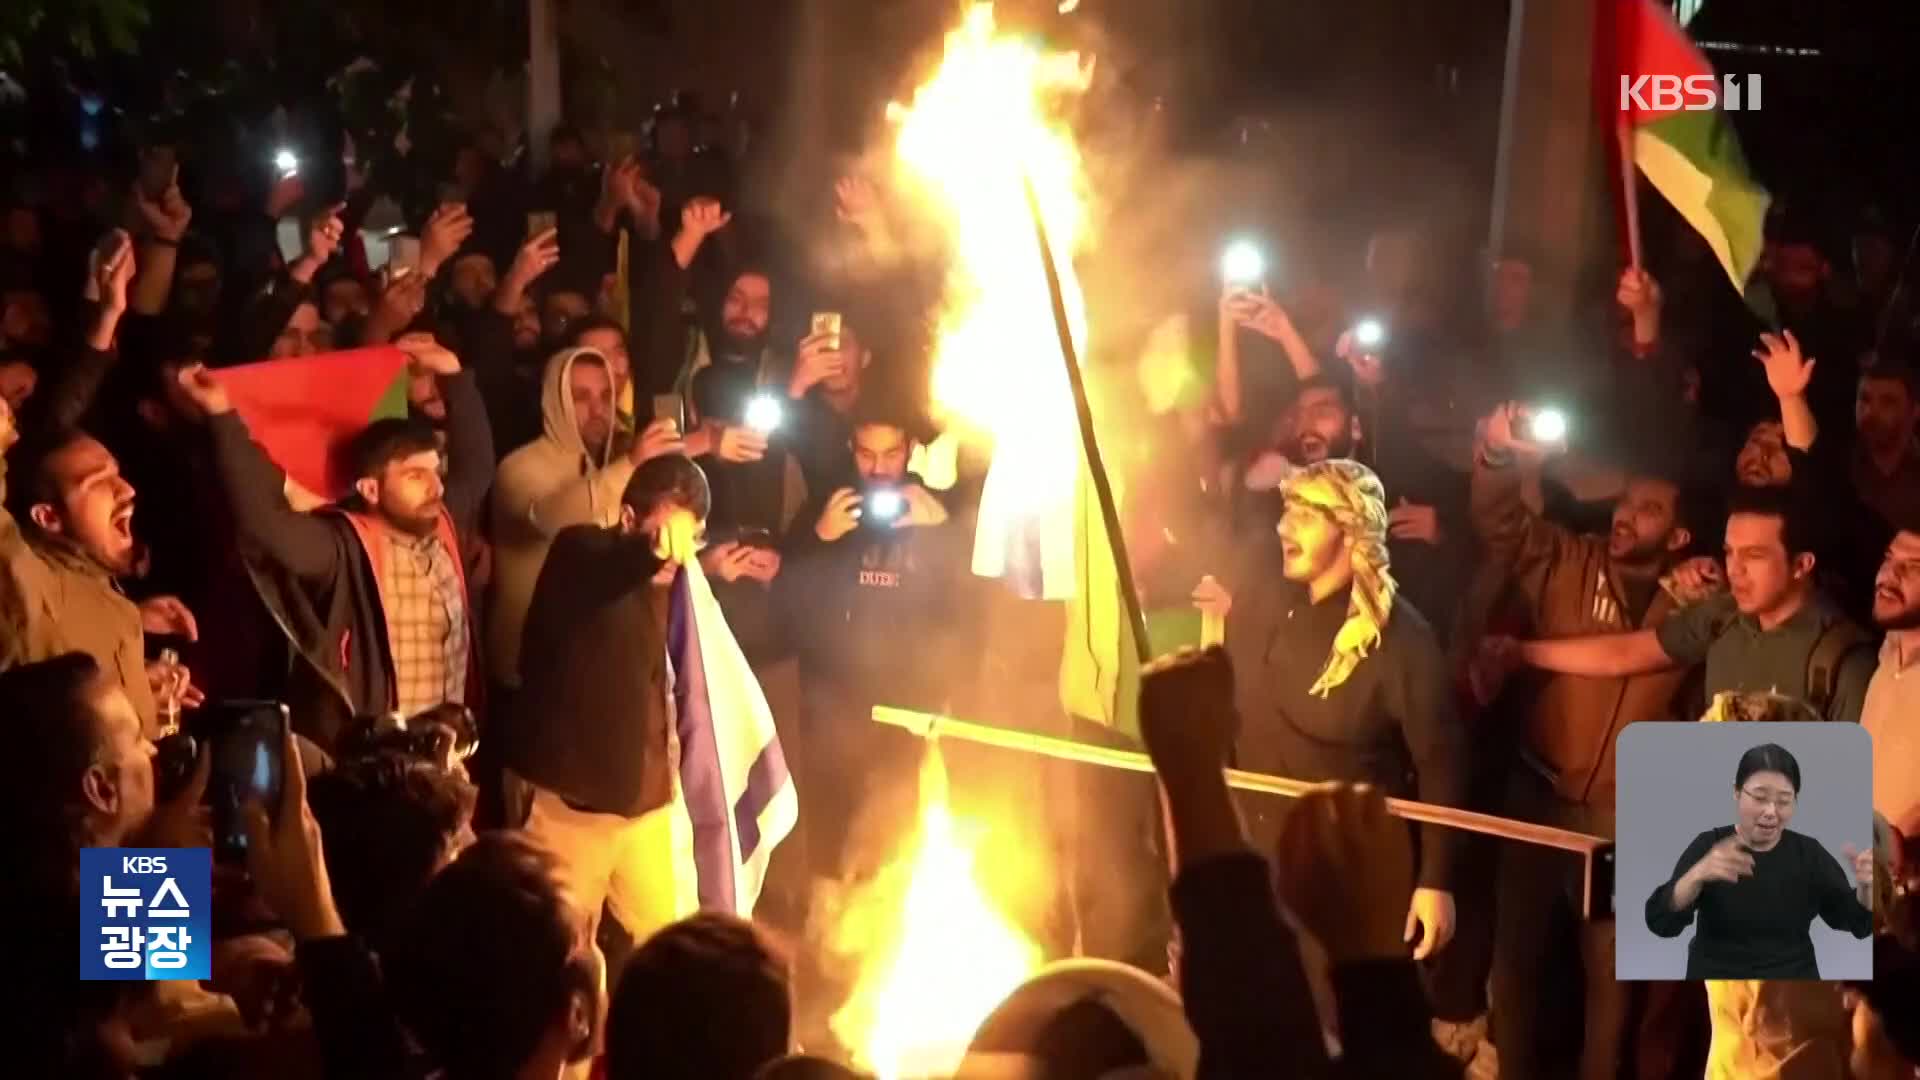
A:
(986, 125)
(985, 128)
(948, 955)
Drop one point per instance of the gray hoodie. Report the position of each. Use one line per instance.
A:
(543, 487)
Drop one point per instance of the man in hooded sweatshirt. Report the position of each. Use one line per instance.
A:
(572, 474)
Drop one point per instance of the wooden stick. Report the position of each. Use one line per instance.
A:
(1629, 189)
(1109, 510)
(932, 725)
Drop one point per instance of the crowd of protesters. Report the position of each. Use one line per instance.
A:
(1426, 591)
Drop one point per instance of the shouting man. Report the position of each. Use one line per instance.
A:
(1379, 707)
(66, 529)
(1571, 584)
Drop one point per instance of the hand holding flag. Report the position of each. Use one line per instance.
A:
(676, 542)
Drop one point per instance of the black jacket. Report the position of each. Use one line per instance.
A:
(592, 718)
(315, 575)
(871, 615)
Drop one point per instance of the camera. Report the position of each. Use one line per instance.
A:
(444, 735)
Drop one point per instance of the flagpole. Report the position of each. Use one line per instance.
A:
(1629, 188)
(1103, 490)
(1591, 849)
(1109, 513)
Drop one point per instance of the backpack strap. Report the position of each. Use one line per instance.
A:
(1837, 641)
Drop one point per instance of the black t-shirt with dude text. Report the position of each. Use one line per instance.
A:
(871, 612)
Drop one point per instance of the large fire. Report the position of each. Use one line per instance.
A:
(939, 955)
(986, 125)
(985, 129)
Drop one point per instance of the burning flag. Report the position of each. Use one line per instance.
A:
(976, 136)
(985, 145)
(979, 140)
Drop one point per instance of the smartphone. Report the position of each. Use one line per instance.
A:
(670, 407)
(825, 322)
(158, 170)
(757, 538)
(103, 252)
(105, 248)
(620, 146)
(246, 738)
(883, 505)
(539, 221)
(764, 413)
(403, 256)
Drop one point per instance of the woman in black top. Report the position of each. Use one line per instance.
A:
(1757, 886)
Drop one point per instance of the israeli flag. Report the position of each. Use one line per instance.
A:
(738, 794)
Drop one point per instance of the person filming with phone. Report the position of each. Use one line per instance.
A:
(860, 595)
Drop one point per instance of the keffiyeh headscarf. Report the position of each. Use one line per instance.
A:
(1350, 494)
(1756, 705)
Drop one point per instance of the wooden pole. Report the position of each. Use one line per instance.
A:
(931, 725)
(1109, 515)
(1090, 444)
(1629, 188)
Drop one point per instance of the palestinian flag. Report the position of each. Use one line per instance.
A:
(304, 411)
(1691, 156)
(1100, 664)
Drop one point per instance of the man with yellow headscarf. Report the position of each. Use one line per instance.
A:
(1341, 679)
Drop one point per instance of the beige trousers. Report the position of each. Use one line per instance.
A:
(642, 868)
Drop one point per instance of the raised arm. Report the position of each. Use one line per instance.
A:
(66, 399)
(470, 460)
(1263, 315)
(267, 312)
(1226, 371)
(1515, 536)
(1788, 375)
(166, 221)
(256, 487)
(1600, 656)
(1244, 990)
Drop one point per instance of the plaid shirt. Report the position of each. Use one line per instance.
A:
(426, 623)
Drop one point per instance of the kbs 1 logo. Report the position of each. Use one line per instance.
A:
(1694, 93)
(145, 913)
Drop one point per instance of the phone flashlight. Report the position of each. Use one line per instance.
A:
(1242, 263)
(1369, 333)
(884, 505)
(286, 161)
(764, 413)
(1548, 426)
